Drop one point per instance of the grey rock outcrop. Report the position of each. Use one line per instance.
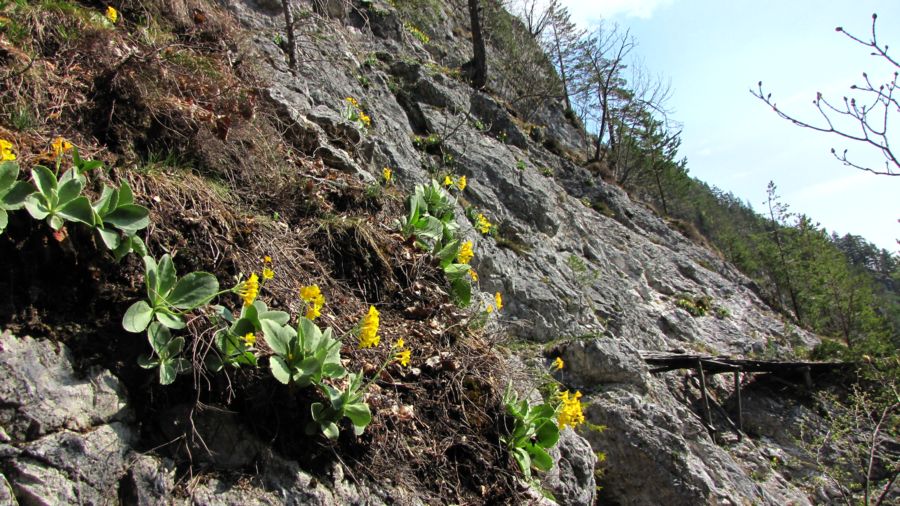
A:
(71, 440)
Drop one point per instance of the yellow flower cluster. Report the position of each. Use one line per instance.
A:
(368, 334)
(498, 303)
(387, 174)
(314, 300)
(248, 290)
(267, 272)
(6, 151)
(473, 274)
(355, 112)
(465, 253)
(571, 412)
(249, 339)
(482, 224)
(460, 183)
(402, 355)
(112, 14)
(60, 146)
(558, 364)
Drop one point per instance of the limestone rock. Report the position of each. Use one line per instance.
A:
(595, 363)
(40, 392)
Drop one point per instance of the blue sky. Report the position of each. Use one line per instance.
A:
(714, 51)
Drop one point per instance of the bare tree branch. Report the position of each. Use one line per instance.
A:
(864, 120)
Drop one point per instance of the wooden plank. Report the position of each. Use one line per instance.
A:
(703, 392)
(737, 389)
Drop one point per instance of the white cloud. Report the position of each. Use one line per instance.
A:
(591, 11)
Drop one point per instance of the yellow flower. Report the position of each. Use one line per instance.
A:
(366, 120)
(499, 300)
(482, 224)
(461, 183)
(489, 309)
(60, 146)
(465, 253)
(267, 273)
(267, 259)
(112, 14)
(473, 274)
(6, 151)
(571, 412)
(352, 101)
(448, 181)
(403, 357)
(368, 334)
(387, 174)
(249, 339)
(248, 290)
(314, 300)
(558, 364)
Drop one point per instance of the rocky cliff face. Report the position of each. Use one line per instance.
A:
(586, 273)
(600, 285)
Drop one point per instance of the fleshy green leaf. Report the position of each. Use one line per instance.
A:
(129, 217)
(448, 253)
(15, 197)
(4, 220)
(107, 201)
(137, 244)
(242, 327)
(137, 317)
(165, 275)
(110, 238)
(44, 180)
(279, 317)
(461, 292)
(309, 333)
(36, 206)
(175, 346)
(160, 337)
(124, 248)
(151, 279)
(9, 172)
(547, 434)
(280, 369)
(193, 290)
(56, 222)
(540, 459)
(524, 461)
(167, 372)
(453, 271)
(78, 209)
(126, 196)
(170, 320)
(147, 362)
(272, 333)
(69, 190)
(359, 414)
(330, 430)
(332, 370)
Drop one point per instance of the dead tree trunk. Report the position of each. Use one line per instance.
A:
(479, 56)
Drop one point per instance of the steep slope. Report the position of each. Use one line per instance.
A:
(610, 280)
(585, 274)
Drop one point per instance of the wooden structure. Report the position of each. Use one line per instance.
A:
(708, 365)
